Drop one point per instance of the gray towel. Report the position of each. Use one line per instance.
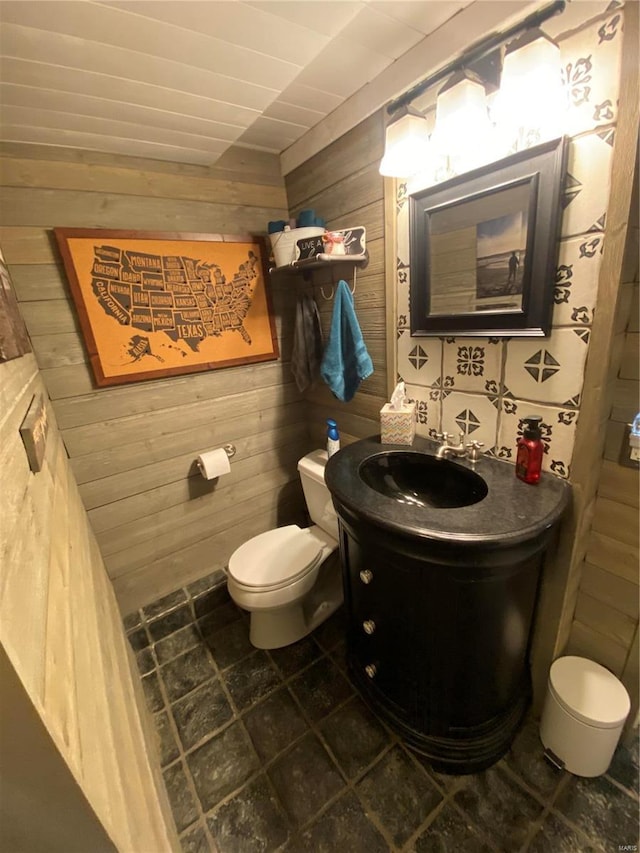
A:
(307, 343)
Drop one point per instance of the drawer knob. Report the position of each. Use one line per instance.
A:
(366, 576)
(369, 626)
(371, 670)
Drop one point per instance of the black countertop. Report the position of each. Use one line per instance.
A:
(512, 511)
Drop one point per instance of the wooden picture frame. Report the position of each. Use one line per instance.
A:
(156, 304)
(484, 246)
(14, 340)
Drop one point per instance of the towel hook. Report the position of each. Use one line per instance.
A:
(333, 286)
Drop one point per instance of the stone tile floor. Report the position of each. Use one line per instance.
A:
(266, 751)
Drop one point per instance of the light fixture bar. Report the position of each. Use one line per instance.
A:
(477, 51)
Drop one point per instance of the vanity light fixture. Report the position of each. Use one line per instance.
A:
(530, 104)
(406, 146)
(463, 129)
(462, 133)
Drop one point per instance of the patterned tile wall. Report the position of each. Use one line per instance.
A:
(485, 387)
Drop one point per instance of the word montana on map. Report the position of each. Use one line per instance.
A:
(186, 298)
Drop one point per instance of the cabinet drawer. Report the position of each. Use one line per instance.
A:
(388, 683)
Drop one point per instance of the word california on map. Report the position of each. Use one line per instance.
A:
(156, 306)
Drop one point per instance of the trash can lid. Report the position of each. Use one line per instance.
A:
(590, 692)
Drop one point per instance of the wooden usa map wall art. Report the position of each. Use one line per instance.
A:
(155, 304)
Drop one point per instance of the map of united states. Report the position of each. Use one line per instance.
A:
(185, 298)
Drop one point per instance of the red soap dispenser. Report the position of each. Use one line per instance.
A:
(530, 449)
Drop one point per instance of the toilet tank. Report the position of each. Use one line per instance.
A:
(316, 493)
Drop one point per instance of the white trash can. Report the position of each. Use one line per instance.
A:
(584, 711)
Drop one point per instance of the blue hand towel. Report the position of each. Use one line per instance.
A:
(345, 362)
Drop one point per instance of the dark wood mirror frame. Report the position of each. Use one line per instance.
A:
(448, 222)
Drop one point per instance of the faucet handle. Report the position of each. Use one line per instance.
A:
(474, 450)
(442, 436)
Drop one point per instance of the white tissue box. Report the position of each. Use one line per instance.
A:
(398, 426)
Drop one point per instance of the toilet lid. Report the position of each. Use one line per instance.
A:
(275, 558)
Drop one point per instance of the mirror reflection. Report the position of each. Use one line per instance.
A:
(478, 251)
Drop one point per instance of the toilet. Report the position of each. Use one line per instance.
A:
(289, 578)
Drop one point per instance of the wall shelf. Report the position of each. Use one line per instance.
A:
(323, 261)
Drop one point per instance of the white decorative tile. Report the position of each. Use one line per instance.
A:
(591, 69)
(428, 409)
(587, 183)
(403, 255)
(474, 414)
(419, 359)
(558, 433)
(575, 15)
(402, 294)
(473, 364)
(577, 280)
(550, 370)
(402, 223)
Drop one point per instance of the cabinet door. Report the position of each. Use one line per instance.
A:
(489, 633)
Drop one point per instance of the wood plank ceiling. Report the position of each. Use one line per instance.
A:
(183, 80)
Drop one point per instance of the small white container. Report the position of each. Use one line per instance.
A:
(284, 243)
(584, 711)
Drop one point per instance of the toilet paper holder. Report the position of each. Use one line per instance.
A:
(229, 449)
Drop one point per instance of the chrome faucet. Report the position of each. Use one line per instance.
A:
(472, 450)
(446, 449)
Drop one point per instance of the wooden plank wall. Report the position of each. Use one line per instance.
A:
(61, 631)
(132, 448)
(605, 623)
(342, 184)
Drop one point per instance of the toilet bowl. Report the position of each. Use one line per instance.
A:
(289, 578)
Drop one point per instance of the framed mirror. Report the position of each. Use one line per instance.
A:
(484, 245)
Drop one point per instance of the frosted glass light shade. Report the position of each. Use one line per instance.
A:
(406, 148)
(463, 130)
(531, 103)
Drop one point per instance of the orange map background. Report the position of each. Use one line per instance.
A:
(164, 304)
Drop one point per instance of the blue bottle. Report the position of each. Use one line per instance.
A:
(333, 439)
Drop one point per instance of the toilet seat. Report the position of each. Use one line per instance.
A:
(275, 559)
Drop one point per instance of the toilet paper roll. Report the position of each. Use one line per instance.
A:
(214, 463)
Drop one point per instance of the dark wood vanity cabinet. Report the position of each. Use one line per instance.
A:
(441, 562)
(438, 639)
